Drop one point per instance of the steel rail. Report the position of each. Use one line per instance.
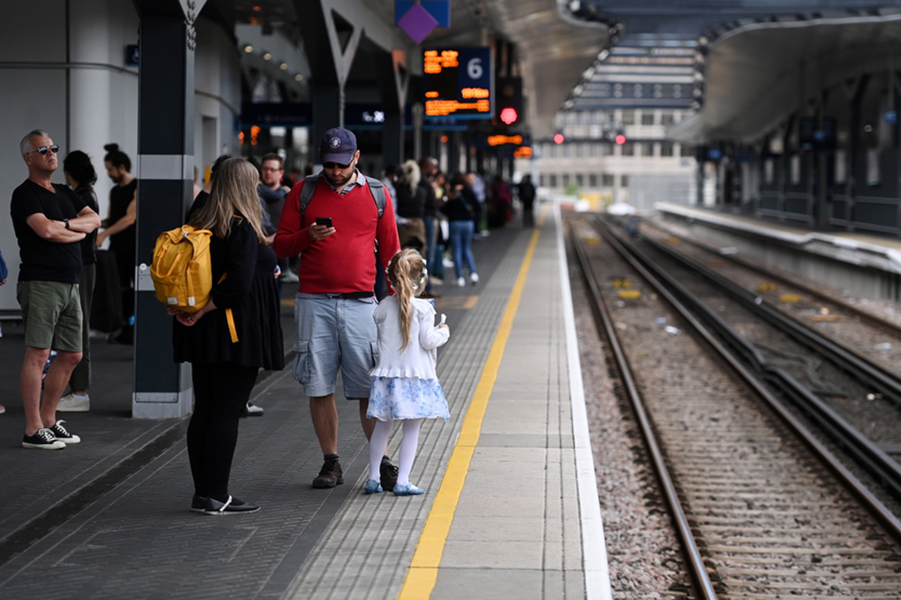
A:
(606, 328)
(879, 511)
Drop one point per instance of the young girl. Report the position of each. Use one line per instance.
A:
(404, 383)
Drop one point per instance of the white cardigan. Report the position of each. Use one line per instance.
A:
(419, 357)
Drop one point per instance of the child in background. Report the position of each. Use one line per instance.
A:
(404, 382)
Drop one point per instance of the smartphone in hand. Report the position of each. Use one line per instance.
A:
(324, 221)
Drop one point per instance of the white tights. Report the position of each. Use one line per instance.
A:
(408, 446)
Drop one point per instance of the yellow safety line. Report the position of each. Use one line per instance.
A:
(423, 572)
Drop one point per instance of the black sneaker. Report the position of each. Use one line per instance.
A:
(60, 433)
(329, 476)
(43, 439)
(198, 503)
(232, 506)
(388, 475)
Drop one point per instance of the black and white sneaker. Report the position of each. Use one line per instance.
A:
(60, 433)
(43, 439)
(232, 506)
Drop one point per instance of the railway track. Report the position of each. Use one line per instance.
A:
(762, 509)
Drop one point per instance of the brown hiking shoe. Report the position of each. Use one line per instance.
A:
(329, 476)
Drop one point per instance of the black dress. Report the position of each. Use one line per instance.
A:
(250, 290)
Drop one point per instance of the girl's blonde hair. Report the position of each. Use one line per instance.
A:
(407, 274)
(234, 194)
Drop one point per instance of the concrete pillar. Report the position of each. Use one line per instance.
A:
(166, 158)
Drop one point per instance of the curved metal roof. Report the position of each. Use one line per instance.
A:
(759, 73)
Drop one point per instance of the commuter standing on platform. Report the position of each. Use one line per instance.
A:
(81, 176)
(119, 227)
(334, 305)
(49, 221)
(527, 197)
(272, 193)
(460, 207)
(405, 385)
(224, 371)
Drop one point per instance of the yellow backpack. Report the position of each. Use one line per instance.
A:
(182, 271)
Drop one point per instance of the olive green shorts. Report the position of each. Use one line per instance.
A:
(51, 312)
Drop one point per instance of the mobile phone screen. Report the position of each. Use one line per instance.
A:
(325, 221)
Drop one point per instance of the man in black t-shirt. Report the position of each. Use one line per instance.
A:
(49, 221)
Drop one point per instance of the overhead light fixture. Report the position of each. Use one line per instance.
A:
(283, 66)
(248, 48)
(267, 55)
(298, 77)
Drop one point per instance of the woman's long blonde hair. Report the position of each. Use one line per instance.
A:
(234, 194)
(407, 274)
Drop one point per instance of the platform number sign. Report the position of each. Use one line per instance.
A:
(457, 83)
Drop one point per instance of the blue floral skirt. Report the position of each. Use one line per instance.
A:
(406, 398)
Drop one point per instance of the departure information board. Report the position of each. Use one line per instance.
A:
(458, 83)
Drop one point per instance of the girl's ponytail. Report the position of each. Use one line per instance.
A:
(407, 274)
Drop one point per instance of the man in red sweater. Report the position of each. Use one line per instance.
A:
(335, 300)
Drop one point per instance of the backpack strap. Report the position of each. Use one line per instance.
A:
(378, 194)
(311, 181)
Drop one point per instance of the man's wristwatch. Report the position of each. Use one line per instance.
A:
(66, 221)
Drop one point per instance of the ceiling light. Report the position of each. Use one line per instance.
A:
(283, 66)
(248, 48)
(267, 55)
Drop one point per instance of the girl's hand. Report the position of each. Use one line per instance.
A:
(443, 326)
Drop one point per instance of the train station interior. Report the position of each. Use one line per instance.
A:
(760, 129)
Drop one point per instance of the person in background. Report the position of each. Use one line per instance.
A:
(49, 221)
(335, 300)
(460, 207)
(436, 257)
(410, 205)
(81, 176)
(476, 181)
(428, 168)
(224, 371)
(119, 227)
(272, 194)
(527, 197)
(405, 384)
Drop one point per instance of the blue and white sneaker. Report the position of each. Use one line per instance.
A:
(372, 487)
(407, 490)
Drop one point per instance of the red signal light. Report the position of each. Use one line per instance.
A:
(509, 115)
(558, 139)
(620, 139)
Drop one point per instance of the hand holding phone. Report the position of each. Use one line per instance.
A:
(324, 221)
(443, 319)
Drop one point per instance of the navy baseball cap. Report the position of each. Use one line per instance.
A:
(338, 145)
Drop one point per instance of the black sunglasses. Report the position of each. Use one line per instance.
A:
(44, 149)
(334, 165)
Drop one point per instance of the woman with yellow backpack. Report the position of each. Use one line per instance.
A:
(225, 370)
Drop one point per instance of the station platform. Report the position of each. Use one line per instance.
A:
(511, 505)
(861, 264)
